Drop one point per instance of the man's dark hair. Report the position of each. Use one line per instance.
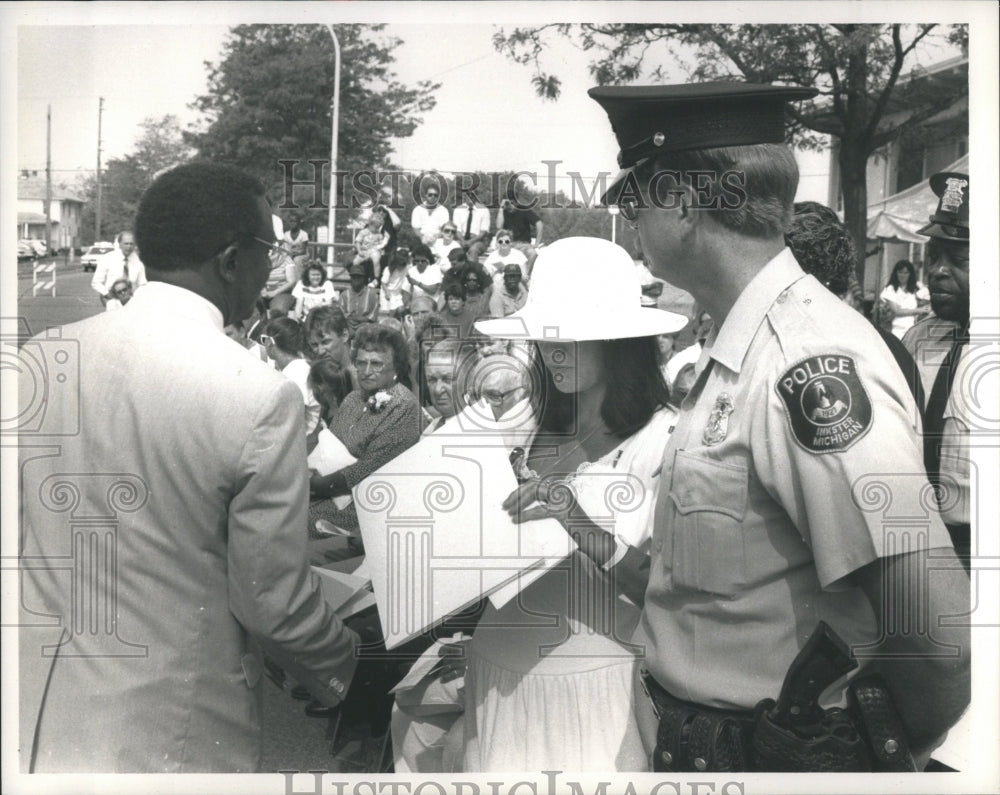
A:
(822, 245)
(635, 389)
(455, 290)
(192, 212)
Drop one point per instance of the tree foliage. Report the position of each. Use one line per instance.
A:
(269, 98)
(125, 179)
(864, 74)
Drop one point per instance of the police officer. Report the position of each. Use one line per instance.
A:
(946, 430)
(793, 451)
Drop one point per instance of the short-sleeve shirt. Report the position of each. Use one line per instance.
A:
(928, 342)
(793, 452)
(495, 263)
(430, 277)
(312, 297)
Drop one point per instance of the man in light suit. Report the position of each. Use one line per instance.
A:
(164, 503)
(115, 265)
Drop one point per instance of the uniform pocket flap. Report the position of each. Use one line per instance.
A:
(701, 484)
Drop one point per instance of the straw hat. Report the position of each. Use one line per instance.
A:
(583, 288)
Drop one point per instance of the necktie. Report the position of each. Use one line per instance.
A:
(938, 401)
(125, 266)
(468, 224)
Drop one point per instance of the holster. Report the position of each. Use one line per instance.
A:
(867, 737)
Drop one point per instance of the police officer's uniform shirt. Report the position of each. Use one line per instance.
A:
(955, 468)
(797, 413)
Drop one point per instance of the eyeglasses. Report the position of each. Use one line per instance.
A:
(448, 231)
(431, 195)
(266, 339)
(495, 398)
(272, 248)
(374, 365)
(504, 242)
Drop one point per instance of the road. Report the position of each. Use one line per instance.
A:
(74, 298)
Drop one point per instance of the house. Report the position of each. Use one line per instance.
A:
(905, 163)
(65, 212)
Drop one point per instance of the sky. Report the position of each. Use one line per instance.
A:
(148, 60)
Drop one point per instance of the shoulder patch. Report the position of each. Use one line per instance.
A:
(825, 403)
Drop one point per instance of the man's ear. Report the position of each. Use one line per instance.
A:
(226, 264)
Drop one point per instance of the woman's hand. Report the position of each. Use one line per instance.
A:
(453, 662)
(548, 497)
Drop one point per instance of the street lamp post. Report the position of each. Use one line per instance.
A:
(332, 216)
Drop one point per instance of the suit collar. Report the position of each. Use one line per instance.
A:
(163, 297)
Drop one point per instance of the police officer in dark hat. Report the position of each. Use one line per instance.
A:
(946, 453)
(776, 534)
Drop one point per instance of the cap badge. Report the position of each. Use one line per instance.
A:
(718, 420)
(951, 199)
(658, 139)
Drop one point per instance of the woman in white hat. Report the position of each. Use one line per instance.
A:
(549, 676)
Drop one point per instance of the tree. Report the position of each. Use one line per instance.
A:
(864, 100)
(125, 179)
(269, 99)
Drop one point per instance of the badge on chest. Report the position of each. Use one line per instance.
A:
(827, 407)
(718, 421)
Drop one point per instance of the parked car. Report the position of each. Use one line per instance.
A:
(25, 250)
(31, 249)
(93, 254)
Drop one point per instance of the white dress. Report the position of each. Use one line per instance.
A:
(550, 675)
(906, 300)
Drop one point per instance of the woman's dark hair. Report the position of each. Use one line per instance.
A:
(635, 389)
(373, 337)
(287, 335)
(423, 251)
(822, 245)
(455, 290)
(331, 374)
(193, 212)
(313, 265)
(904, 264)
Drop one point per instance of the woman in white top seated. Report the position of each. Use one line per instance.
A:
(548, 685)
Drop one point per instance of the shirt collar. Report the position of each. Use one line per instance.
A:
(163, 297)
(728, 345)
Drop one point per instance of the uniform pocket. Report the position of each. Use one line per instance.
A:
(710, 501)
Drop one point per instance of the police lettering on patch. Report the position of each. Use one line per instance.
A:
(826, 404)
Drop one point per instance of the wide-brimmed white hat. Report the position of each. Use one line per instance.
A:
(583, 288)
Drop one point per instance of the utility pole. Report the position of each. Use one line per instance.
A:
(335, 124)
(97, 213)
(48, 180)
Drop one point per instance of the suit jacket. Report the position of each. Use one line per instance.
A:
(164, 497)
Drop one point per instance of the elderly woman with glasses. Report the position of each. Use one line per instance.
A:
(376, 422)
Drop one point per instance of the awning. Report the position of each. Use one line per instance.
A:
(898, 217)
(31, 218)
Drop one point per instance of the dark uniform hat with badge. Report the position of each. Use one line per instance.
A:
(951, 219)
(650, 120)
